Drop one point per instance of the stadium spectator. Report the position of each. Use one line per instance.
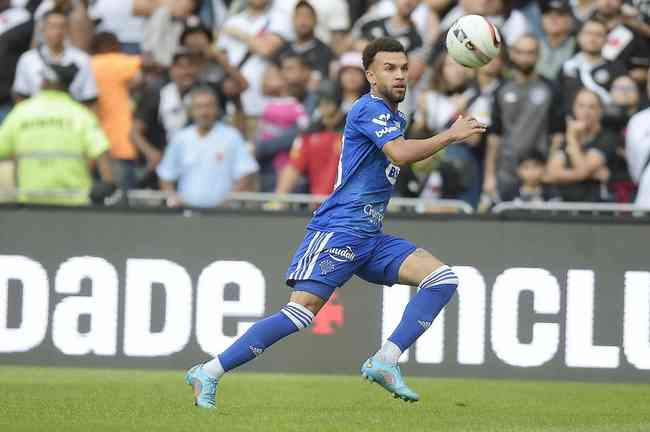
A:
(53, 138)
(333, 17)
(557, 44)
(580, 165)
(116, 73)
(315, 153)
(637, 150)
(531, 173)
(16, 28)
(80, 25)
(118, 17)
(283, 113)
(271, 150)
(352, 79)
(249, 39)
(313, 51)
(400, 26)
(216, 70)
(624, 44)
(439, 106)
(625, 103)
(588, 68)
(162, 111)
(163, 29)
(57, 51)
(208, 160)
(522, 117)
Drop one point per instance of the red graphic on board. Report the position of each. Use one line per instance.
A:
(330, 315)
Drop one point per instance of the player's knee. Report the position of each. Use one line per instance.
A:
(444, 281)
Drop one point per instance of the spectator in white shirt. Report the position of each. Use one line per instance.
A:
(55, 50)
(250, 39)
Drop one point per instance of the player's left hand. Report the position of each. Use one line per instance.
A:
(465, 127)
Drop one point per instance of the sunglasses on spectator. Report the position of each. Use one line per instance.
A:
(624, 87)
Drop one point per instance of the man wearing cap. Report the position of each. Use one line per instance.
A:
(53, 139)
(557, 44)
(315, 153)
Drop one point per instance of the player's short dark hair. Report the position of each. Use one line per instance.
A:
(104, 42)
(384, 44)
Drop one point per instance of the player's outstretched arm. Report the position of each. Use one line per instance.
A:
(403, 152)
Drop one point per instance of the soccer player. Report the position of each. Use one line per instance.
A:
(345, 236)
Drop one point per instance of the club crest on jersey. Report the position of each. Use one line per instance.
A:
(392, 172)
(382, 120)
(342, 254)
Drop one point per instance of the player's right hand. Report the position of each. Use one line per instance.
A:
(465, 127)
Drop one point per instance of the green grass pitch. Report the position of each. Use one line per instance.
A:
(52, 399)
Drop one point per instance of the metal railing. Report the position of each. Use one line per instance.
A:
(265, 201)
(575, 208)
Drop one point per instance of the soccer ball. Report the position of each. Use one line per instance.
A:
(473, 41)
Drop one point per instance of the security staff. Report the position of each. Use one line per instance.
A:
(53, 139)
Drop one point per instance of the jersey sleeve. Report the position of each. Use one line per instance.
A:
(375, 123)
(84, 86)
(22, 84)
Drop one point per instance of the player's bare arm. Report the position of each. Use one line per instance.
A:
(406, 151)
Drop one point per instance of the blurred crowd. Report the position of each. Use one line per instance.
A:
(200, 98)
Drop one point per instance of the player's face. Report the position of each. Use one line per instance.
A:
(387, 75)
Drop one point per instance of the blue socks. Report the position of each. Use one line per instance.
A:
(264, 333)
(434, 293)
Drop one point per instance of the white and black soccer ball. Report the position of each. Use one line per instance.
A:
(473, 41)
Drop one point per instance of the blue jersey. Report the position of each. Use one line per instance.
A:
(366, 177)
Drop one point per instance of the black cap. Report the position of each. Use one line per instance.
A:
(560, 6)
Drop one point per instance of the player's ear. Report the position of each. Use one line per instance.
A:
(370, 76)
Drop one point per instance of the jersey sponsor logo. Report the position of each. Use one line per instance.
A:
(342, 254)
(385, 131)
(375, 214)
(381, 120)
(392, 172)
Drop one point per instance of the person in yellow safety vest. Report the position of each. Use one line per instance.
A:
(54, 140)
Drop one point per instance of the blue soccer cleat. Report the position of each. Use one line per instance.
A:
(388, 376)
(204, 385)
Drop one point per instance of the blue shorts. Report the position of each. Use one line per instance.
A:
(333, 258)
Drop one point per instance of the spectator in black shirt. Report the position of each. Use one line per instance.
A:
(588, 68)
(531, 173)
(581, 164)
(162, 111)
(624, 44)
(15, 36)
(314, 52)
(401, 27)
